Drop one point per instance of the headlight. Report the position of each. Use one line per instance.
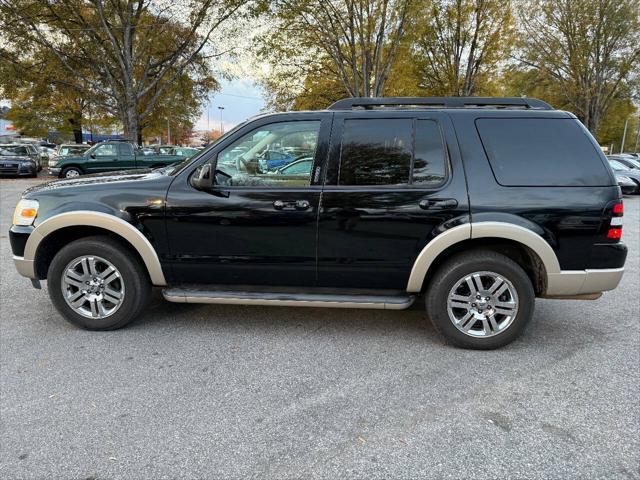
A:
(25, 212)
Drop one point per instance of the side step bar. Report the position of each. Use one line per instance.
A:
(289, 299)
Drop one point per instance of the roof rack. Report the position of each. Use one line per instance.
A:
(442, 102)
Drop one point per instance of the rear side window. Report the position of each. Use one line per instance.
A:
(429, 157)
(551, 152)
(376, 152)
(383, 152)
(126, 149)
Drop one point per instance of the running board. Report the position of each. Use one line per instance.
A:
(288, 299)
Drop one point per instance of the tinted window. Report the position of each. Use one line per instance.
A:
(126, 149)
(541, 152)
(429, 156)
(376, 152)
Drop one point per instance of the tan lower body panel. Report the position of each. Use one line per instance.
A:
(582, 282)
(24, 267)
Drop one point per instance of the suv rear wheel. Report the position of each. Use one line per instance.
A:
(480, 299)
(97, 284)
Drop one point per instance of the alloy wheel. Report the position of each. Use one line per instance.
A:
(482, 304)
(92, 287)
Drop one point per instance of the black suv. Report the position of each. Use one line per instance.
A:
(480, 204)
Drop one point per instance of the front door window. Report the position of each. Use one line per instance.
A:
(105, 151)
(265, 156)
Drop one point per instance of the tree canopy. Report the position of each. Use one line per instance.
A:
(124, 55)
(137, 64)
(580, 55)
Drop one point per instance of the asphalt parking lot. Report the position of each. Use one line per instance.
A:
(212, 391)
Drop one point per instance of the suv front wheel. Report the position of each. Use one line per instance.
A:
(97, 284)
(480, 299)
(71, 172)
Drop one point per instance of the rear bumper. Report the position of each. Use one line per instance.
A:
(583, 282)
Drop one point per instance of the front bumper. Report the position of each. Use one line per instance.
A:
(18, 236)
(25, 267)
(19, 170)
(54, 171)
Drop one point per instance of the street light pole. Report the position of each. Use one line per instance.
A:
(624, 135)
(221, 127)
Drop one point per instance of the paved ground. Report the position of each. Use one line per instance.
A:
(236, 392)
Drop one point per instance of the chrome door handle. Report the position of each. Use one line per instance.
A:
(438, 203)
(302, 205)
(299, 205)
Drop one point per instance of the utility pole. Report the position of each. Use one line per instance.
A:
(624, 135)
(168, 133)
(221, 127)
(90, 123)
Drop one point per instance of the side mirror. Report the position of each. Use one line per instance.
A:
(203, 180)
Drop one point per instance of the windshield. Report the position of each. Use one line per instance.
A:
(633, 162)
(14, 151)
(617, 165)
(66, 151)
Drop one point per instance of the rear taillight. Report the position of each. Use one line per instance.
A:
(615, 225)
(618, 208)
(614, 233)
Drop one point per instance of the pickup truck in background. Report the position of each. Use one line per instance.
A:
(107, 157)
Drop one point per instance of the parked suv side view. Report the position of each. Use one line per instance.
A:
(477, 205)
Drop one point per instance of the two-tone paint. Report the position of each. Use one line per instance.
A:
(347, 238)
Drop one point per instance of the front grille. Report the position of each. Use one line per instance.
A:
(9, 167)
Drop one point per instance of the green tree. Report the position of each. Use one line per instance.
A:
(41, 95)
(347, 45)
(135, 49)
(586, 52)
(461, 45)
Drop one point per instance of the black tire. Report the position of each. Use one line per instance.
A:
(456, 269)
(137, 286)
(66, 170)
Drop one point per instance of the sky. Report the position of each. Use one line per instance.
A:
(241, 99)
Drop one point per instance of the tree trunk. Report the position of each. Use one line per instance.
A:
(76, 128)
(131, 124)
